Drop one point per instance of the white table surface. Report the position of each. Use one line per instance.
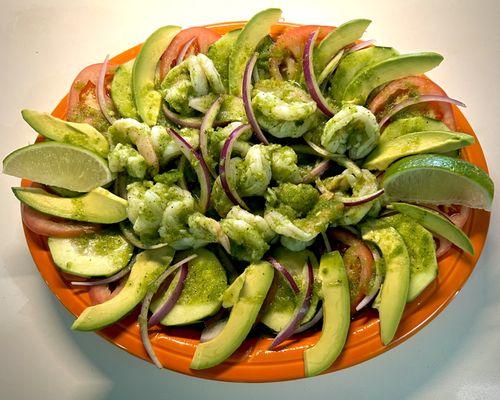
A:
(45, 43)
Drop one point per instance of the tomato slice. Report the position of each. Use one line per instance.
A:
(100, 293)
(82, 103)
(412, 86)
(47, 225)
(204, 38)
(358, 260)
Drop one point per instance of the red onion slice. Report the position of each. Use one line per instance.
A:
(314, 320)
(356, 201)
(130, 236)
(416, 100)
(184, 50)
(285, 273)
(361, 45)
(100, 293)
(101, 98)
(366, 300)
(294, 323)
(460, 218)
(224, 167)
(212, 330)
(187, 122)
(207, 123)
(328, 245)
(310, 77)
(443, 247)
(199, 165)
(247, 100)
(317, 171)
(330, 67)
(120, 274)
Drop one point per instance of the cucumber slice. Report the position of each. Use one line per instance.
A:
(96, 254)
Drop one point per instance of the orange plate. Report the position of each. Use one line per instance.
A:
(252, 362)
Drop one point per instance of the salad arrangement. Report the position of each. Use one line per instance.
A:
(240, 180)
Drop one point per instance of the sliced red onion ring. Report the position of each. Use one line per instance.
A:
(330, 67)
(285, 273)
(416, 100)
(460, 218)
(184, 50)
(294, 323)
(212, 330)
(328, 245)
(130, 236)
(207, 123)
(310, 77)
(247, 100)
(443, 247)
(366, 300)
(101, 99)
(317, 171)
(199, 165)
(224, 166)
(314, 320)
(361, 45)
(187, 122)
(100, 293)
(165, 308)
(318, 149)
(120, 274)
(356, 201)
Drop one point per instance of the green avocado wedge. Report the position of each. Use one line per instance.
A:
(201, 295)
(249, 38)
(436, 223)
(336, 315)
(78, 134)
(372, 76)
(337, 39)
(121, 91)
(147, 99)
(220, 53)
(257, 281)
(403, 126)
(415, 143)
(394, 291)
(95, 254)
(354, 62)
(421, 250)
(147, 268)
(99, 205)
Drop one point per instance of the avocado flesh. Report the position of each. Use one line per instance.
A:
(436, 223)
(354, 62)
(121, 91)
(421, 250)
(203, 288)
(257, 281)
(148, 266)
(372, 76)
(415, 143)
(336, 315)
(95, 254)
(337, 39)
(99, 205)
(77, 134)
(249, 38)
(147, 99)
(220, 53)
(278, 313)
(401, 127)
(394, 290)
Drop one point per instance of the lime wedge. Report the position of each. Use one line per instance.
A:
(438, 179)
(59, 164)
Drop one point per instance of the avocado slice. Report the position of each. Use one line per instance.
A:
(99, 205)
(147, 99)
(220, 52)
(415, 143)
(280, 310)
(95, 254)
(421, 250)
(148, 266)
(394, 291)
(78, 134)
(249, 38)
(205, 283)
(336, 315)
(337, 39)
(436, 223)
(403, 126)
(372, 76)
(121, 91)
(354, 62)
(257, 280)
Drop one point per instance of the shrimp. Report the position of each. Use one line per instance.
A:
(124, 157)
(166, 148)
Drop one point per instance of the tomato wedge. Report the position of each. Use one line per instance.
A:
(82, 104)
(412, 86)
(204, 38)
(47, 225)
(358, 260)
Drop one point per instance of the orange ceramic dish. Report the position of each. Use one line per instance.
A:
(253, 362)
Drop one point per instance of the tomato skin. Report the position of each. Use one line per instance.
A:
(204, 39)
(412, 86)
(294, 40)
